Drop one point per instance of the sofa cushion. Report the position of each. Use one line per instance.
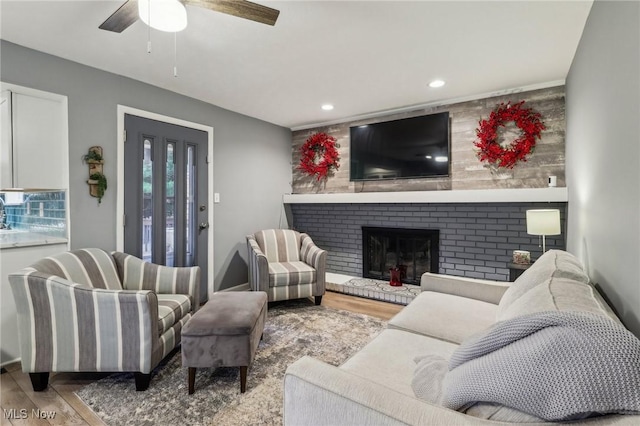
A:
(171, 309)
(389, 358)
(290, 274)
(500, 413)
(558, 294)
(445, 316)
(554, 263)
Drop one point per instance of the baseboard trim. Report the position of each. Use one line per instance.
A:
(241, 287)
(7, 363)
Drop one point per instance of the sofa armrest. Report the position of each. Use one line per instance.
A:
(65, 326)
(483, 290)
(316, 393)
(258, 266)
(136, 274)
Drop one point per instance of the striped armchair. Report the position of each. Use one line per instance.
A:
(286, 265)
(88, 310)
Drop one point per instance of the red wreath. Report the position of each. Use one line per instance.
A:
(319, 156)
(527, 120)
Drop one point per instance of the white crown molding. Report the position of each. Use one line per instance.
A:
(433, 104)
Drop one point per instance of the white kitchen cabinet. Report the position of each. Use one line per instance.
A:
(35, 148)
(6, 156)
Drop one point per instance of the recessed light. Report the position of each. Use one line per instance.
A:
(442, 159)
(436, 83)
(327, 107)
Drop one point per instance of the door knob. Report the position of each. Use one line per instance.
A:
(203, 225)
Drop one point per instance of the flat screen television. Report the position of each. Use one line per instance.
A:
(414, 147)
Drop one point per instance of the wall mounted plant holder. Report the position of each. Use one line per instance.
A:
(97, 180)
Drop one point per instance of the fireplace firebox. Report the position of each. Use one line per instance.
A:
(413, 251)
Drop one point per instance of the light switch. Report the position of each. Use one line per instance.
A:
(216, 197)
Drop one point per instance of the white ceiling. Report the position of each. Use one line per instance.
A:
(361, 56)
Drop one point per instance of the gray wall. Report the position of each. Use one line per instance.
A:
(603, 154)
(251, 157)
(476, 239)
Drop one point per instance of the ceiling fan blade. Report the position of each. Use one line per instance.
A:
(122, 18)
(240, 8)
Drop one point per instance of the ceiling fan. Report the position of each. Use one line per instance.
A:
(128, 13)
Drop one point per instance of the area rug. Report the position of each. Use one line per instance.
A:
(293, 329)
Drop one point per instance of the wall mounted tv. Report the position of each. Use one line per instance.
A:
(407, 148)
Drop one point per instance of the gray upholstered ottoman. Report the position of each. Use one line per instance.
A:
(225, 332)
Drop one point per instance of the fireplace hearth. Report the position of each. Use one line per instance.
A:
(412, 251)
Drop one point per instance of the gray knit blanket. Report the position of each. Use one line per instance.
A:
(553, 365)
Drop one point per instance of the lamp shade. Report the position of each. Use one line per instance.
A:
(543, 222)
(163, 15)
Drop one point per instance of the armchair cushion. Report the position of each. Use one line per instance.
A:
(171, 308)
(90, 267)
(279, 245)
(290, 273)
(136, 274)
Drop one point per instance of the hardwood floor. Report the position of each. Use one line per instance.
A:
(374, 308)
(21, 405)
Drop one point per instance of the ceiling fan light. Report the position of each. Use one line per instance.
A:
(163, 15)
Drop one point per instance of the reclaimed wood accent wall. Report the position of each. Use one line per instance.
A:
(467, 172)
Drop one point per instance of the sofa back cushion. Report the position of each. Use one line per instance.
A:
(558, 294)
(90, 267)
(279, 245)
(552, 264)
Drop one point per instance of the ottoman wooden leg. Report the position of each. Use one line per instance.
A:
(39, 381)
(192, 379)
(243, 379)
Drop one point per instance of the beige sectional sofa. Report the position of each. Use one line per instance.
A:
(375, 385)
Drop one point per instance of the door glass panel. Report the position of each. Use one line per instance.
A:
(170, 204)
(147, 200)
(190, 223)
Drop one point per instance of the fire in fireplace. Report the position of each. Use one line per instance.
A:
(413, 251)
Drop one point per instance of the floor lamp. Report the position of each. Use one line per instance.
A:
(543, 222)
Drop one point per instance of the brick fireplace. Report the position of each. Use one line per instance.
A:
(476, 240)
(413, 251)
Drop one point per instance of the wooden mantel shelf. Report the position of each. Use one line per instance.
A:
(525, 195)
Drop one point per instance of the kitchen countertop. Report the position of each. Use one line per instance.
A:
(16, 238)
